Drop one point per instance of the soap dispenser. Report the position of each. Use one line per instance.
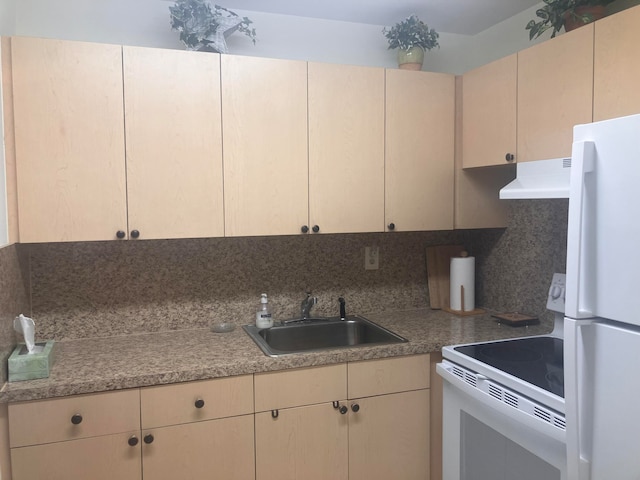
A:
(263, 314)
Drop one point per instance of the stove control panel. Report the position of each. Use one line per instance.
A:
(555, 298)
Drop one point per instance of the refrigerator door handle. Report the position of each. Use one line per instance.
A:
(578, 459)
(582, 163)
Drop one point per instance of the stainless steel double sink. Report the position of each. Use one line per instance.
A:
(317, 334)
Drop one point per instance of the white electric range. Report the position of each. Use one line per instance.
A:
(503, 405)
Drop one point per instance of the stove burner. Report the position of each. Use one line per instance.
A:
(511, 353)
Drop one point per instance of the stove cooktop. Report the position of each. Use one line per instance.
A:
(536, 360)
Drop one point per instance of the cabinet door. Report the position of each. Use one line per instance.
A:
(346, 148)
(555, 93)
(212, 449)
(616, 66)
(489, 96)
(98, 458)
(69, 140)
(419, 150)
(307, 443)
(266, 170)
(174, 143)
(389, 437)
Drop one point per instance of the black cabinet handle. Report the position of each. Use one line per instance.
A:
(135, 233)
(355, 407)
(133, 441)
(76, 419)
(304, 229)
(315, 229)
(343, 409)
(148, 438)
(199, 403)
(392, 226)
(509, 157)
(120, 234)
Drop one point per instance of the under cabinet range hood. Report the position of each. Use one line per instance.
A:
(540, 179)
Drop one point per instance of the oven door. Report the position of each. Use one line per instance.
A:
(491, 432)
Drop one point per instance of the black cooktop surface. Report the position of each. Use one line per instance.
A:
(537, 360)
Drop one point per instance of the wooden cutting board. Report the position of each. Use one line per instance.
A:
(438, 262)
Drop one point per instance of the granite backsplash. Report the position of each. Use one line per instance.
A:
(97, 289)
(14, 298)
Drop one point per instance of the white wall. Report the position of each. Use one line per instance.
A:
(146, 23)
(7, 17)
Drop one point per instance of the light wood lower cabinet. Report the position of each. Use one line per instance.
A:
(190, 430)
(99, 458)
(212, 449)
(309, 442)
(389, 437)
(306, 426)
(386, 421)
(77, 438)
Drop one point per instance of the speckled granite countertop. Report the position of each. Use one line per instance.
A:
(113, 363)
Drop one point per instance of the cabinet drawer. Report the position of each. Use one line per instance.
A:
(45, 421)
(303, 386)
(388, 375)
(196, 401)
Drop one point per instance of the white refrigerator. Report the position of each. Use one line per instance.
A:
(602, 324)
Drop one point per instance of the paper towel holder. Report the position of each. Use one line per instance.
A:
(462, 312)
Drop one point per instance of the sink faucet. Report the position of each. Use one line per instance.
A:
(307, 304)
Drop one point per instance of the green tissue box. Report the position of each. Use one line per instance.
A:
(23, 366)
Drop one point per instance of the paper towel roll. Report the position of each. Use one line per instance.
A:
(462, 274)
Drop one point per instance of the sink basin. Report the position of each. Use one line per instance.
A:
(316, 334)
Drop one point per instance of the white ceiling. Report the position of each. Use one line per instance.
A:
(467, 17)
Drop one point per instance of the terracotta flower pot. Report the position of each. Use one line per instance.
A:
(575, 19)
(411, 59)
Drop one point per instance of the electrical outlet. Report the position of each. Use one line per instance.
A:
(371, 258)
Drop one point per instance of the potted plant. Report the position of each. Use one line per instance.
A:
(569, 14)
(411, 37)
(205, 27)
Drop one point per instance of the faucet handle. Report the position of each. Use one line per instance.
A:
(343, 310)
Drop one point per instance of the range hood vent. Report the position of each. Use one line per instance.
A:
(540, 179)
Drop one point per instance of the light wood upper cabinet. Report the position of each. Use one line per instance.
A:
(173, 143)
(346, 148)
(555, 93)
(419, 131)
(489, 98)
(616, 66)
(6, 77)
(69, 140)
(264, 111)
